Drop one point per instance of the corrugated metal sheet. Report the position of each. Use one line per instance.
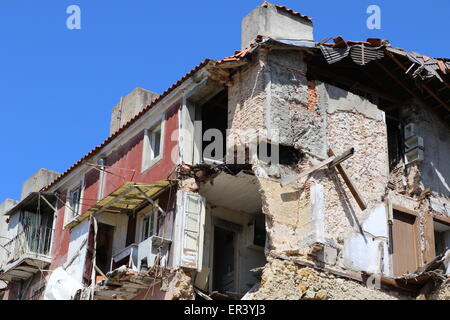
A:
(360, 53)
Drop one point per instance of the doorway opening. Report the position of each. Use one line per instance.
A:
(224, 260)
(105, 236)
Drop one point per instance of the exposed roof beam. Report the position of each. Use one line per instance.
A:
(431, 92)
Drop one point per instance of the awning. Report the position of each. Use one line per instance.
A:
(30, 203)
(128, 197)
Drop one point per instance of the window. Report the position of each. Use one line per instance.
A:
(149, 224)
(441, 237)
(74, 201)
(152, 145)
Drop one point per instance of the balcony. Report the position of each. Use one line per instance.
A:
(27, 253)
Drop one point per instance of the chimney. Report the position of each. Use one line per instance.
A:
(129, 107)
(276, 22)
(37, 181)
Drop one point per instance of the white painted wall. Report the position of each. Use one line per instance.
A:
(362, 252)
(120, 224)
(77, 235)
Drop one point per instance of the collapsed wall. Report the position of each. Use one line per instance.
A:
(286, 280)
(318, 218)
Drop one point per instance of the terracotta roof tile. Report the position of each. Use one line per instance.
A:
(298, 14)
(339, 42)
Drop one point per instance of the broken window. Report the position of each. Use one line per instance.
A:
(396, 144)
(441, 237)
(74, 201)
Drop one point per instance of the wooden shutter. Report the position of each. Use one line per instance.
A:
(192, 231)
(89, 264)
(405, 244)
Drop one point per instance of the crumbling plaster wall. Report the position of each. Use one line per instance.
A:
(246, 97)
(313, 116)
(292, 103)
(435, 169)
(289, 219)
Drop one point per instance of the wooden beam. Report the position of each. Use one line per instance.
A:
(151, 201)
(358, 197)
(400, 82)
(430, 92)
(331, 162)
(47, 202)
(353, 83)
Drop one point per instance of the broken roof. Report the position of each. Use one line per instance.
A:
(372, 49)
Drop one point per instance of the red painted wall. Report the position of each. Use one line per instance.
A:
(91, 184)
(129, 156)
(61, 236)
(121, 162)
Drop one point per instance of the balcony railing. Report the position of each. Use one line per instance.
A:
(32, 240)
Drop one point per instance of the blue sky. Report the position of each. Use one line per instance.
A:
(57, 86)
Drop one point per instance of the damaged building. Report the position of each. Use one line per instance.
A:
(293, 169)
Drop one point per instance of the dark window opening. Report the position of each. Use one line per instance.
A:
(105, 236)
(214, 115)
(287, 155)
(441, 237)
(259, 235)
(395, 141)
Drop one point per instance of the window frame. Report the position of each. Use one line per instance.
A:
(148, 157)
(69, 214)
(151, 214)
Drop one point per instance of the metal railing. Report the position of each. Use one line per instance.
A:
(32, 240)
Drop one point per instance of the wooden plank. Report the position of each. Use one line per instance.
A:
(404, 243)
(351, 185)
(331, 162)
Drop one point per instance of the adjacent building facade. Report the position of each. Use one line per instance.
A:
(294, 169)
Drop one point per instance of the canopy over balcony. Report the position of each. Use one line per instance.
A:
(128, 197)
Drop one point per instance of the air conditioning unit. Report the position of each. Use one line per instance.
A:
(150, 249)
(410, 131)
(415, 155)
(413, 143)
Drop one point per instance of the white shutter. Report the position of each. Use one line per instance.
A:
(192, 231)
